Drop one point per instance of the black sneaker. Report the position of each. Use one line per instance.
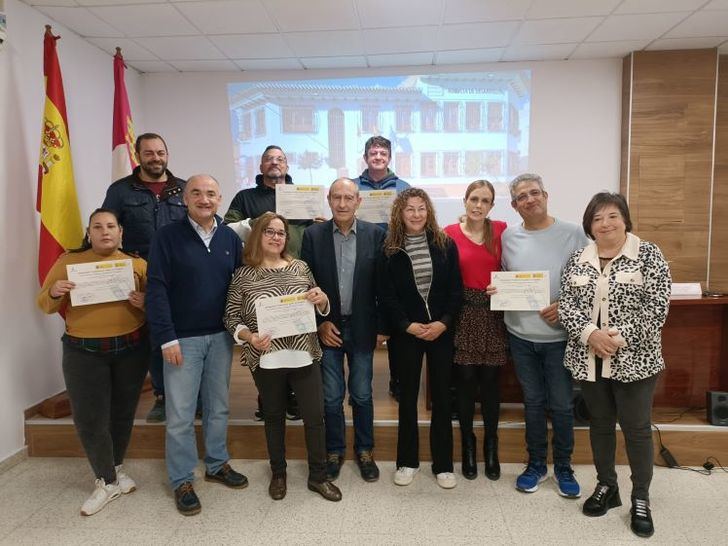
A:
(641, 523)
(333, 465)
(604, 497)
(157, 414)
(186, 500)
(367, 467)
(227, 476)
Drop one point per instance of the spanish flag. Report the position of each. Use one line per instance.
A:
(57, 203)
(123, 159)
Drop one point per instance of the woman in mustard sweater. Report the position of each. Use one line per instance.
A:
(105, 357)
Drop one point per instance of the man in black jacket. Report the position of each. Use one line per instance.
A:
(146, 200)
(342, 254)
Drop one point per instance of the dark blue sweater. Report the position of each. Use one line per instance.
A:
(187, 284)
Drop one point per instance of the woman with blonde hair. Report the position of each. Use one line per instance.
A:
(480, 335)
(421, 293)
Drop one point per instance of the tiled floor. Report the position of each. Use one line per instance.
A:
(40, 500)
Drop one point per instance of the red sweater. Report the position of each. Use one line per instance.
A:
(476, 263)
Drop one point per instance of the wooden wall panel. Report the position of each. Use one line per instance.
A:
(719, 234)
(670, 154)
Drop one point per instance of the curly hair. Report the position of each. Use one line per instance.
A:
(253, 251)
(396, 234)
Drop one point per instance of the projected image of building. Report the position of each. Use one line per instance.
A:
(446, 129)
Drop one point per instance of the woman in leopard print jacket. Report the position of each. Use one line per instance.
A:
(614, 301)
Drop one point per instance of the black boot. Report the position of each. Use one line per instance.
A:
(492, 464)
(469, 462)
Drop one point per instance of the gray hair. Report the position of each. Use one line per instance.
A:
(525, 177)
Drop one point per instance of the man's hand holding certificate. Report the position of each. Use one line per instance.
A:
(520, 290)
(376, 206)
(100, 282)
(300, 202)
(281, 316)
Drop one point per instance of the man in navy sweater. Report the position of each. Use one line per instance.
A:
(191, 263)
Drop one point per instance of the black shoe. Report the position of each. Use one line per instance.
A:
(492, 464)
(186, 500)
(641, 524)
(604, 497)
(326, 489)
(394, 389)
(469, 461)
(367, 466)
(333, 465)
(227, 476)
(157, 414)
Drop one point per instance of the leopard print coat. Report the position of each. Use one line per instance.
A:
(633, 293)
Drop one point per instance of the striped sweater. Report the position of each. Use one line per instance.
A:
(418, 251)
(252, 283)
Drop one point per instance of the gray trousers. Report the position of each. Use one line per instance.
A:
(630, 404)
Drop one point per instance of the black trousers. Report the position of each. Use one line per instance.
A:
(308, 387)
(410, 351)
(470, 378)
(104, 392)
(630, 404)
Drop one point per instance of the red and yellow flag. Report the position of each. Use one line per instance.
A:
(60, 219)
(123, 159)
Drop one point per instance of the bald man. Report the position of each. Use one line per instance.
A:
(191, 263)
(342, 254)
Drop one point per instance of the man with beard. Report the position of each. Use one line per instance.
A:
(146, 200)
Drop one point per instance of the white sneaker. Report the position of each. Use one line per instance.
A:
(405, 475)
(102, 495)
(446, 480)
(126, 484)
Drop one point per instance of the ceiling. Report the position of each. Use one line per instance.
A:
(235, 35)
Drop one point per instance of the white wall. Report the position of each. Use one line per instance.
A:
(29, 340)
(575, 123)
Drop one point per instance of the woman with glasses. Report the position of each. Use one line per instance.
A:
(480, 336)
(421, 293)
(270, 271)
(105, 356)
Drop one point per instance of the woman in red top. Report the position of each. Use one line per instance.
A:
(480, 340)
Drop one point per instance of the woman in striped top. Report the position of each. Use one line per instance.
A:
(421, 292)
(292, 360)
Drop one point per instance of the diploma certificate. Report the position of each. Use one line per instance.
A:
(520, 290)
(376, 206)
(100, 282)
(281, 316)
(299, 202)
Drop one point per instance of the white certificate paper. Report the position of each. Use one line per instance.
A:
(281, 316)
(100, 282)
(520, 290)
(299, 202)
(376, 206)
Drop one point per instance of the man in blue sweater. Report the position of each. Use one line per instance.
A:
(191, 263)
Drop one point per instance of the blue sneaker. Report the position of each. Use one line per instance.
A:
(534, 474)
(568, 486)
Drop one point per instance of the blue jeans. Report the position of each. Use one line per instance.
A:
(547, 388)
(205, 370)
(360, 393)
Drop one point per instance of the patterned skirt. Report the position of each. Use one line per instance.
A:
(480, 334)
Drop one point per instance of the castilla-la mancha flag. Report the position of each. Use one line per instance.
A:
(60, 219)
(123, 159)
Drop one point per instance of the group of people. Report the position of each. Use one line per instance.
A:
(419, 289)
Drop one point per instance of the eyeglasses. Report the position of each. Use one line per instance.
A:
(275, 159)
(521, 197)
(273, 233)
